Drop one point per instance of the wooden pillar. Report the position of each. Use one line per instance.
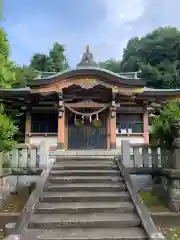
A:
(27, 127)
(113, 122)
(61, 123)
(146, 126)
(61, 129)
(113, 132)
(108, 130)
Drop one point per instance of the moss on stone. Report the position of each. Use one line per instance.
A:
(153, 202)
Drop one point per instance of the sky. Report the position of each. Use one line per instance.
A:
(105, 25)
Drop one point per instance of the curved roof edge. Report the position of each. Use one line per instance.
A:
(146, 89)
(123, 75)
(124, 78)
(28, 91)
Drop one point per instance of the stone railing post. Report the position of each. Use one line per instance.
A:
(125, 150)
(43, 154)
(176, 147)
(1, 163)
(172, 181)
(176, 154)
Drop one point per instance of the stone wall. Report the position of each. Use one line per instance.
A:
(168, 188)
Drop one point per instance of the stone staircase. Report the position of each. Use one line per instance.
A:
(85, 198)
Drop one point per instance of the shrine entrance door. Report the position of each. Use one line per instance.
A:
(83, 134)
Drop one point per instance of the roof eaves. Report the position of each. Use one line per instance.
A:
(146, 89)
(117, 75)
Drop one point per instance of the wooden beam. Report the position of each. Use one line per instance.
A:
(129, 109)
(44, 108)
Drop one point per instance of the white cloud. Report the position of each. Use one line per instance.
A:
(119, 12)
(114, 30)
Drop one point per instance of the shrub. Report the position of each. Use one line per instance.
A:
(163, 130)
(7, 131)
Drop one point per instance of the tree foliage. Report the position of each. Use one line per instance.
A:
(54, 62)
(163, 130)
(7, 131)
(157, 55)
(23, 74)
(57, 54)
(112, 65)
(7, 76)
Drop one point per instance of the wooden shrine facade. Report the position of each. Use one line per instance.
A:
(85, 108)
(54, 108)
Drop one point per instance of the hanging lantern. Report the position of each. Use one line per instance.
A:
(77, 122)
(96, 122)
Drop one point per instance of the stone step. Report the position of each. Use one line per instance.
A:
(92, 220)
(85, 161)
(9, 228)
(84, 173)
(134, 233)
(81, 166)
(85, 196)
(84, 207)
(85, 158)
(92, 154)
(84, 179)
(90, 187)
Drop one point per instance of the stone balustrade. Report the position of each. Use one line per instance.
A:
(24, 156)
(164, 165)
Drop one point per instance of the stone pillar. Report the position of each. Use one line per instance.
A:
(146, 127)
(113, 123)
(27, 127)
(172, 176)
(176, 154)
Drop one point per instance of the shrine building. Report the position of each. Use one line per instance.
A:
(86, 108)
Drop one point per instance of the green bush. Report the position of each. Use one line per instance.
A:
(7, 131)
(163, 130)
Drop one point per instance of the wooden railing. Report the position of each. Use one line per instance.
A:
(145, 156)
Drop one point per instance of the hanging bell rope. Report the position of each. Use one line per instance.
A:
(86, 114)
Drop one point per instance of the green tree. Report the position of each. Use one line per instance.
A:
(57, 54)
(163, 130)
(42, 62)
(7, 76)
(7, 131)
(23, 75)
(112, 65)
(157, 55)
(54, 62)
